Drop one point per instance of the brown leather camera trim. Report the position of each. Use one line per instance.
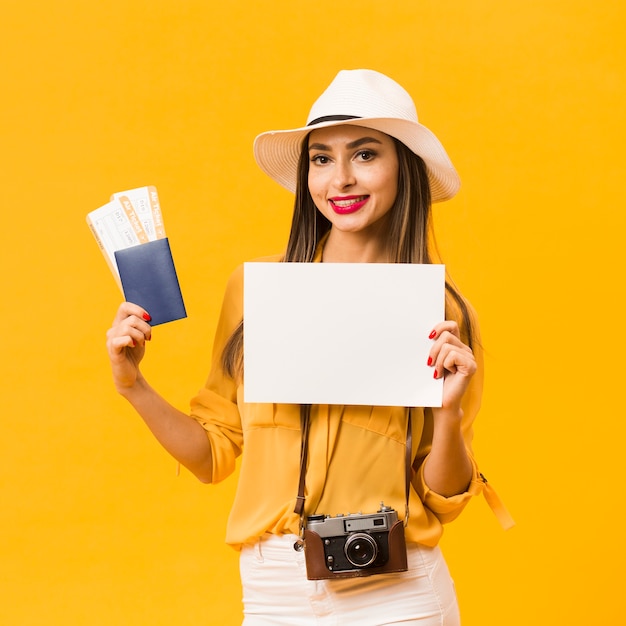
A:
(316, 561)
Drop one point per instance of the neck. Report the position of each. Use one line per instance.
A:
(346, 247)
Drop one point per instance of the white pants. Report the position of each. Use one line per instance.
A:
(276, 590)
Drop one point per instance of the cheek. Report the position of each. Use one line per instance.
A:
(316, 188)
(311, 184)
(385, 184)
(390, 184)
(393, 192)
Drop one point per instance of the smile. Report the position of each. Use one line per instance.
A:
(347, 204)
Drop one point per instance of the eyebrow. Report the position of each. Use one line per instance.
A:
(353, 144)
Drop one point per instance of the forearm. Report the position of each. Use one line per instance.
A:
(178, 433)
(448, 468)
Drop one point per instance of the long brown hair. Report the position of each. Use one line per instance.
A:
(409, 240)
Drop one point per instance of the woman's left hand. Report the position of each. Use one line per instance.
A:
(451, 358)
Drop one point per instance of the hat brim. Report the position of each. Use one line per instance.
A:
(277, 152)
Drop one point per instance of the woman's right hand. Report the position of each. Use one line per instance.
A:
(126, 344)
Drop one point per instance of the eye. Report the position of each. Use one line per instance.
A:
(366, 155)
(320, 159)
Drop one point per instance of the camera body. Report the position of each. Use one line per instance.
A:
(348, 546)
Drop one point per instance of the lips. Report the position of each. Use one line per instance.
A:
(344, 205)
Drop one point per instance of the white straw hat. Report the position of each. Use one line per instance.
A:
(361, 98)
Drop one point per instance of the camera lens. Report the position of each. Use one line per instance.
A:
(360, 549)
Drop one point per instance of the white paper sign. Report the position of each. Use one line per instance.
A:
(341, 333)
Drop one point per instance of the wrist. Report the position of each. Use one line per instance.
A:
(132, 390)
(448, 415)
(447, 424)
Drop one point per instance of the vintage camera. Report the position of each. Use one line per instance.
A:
(348, 546)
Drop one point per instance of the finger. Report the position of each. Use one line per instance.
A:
(130, 315)
(129, 309)
(445, 338)
(443, 358)
(132, 330)
(118, 345)
(450, 326)
(127, 334)
(454, 360)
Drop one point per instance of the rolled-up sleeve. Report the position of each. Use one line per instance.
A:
(215, 407)
(446, 509)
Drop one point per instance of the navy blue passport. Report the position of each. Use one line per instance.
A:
(149, 279)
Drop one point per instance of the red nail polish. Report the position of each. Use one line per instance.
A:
(432, 334)
(436, 374)
(147, 317)
(430, 361)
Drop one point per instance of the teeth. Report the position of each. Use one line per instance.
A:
(347, 203)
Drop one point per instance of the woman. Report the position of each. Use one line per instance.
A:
(364, 172)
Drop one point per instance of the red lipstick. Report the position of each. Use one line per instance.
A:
(344, 205)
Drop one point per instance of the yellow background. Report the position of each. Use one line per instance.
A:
(98, 97)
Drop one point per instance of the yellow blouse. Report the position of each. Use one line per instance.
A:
(356, 453)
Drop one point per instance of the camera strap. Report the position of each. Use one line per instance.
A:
(305, 419)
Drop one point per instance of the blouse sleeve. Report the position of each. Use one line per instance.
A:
(447, 509)
(215, 406)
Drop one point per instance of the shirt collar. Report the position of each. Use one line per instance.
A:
(320, 248)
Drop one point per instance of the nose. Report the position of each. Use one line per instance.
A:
(344, 174)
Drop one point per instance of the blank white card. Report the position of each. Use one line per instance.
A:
(341, 333)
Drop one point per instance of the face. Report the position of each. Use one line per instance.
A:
(353, 177)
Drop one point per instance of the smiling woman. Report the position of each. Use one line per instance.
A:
(364, 171)
(353, 180)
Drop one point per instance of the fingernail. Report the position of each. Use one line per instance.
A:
(436, 374)
(134, 345)
(430, 361)
(147, 317)
(432, 334)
